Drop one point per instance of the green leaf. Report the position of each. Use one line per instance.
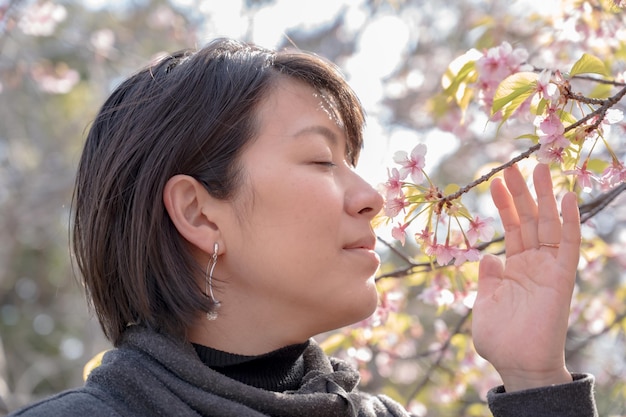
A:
(458, 76)
(460, 69)
(601, 91)
(530, 136)
(512, 92)
(566, 117)
(451, 81)
(451, 189)
(597, 165)
(541, 106)
(589, 64)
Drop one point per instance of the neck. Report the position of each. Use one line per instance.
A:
(250, 339)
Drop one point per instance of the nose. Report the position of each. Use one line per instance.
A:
(361, 198)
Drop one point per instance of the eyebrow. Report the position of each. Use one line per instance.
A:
(320, 130)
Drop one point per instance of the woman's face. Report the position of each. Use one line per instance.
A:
(299, 248)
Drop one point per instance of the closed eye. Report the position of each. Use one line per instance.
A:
(329, 164)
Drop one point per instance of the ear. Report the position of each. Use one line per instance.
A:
(193, 211)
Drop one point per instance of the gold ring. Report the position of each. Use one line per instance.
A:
(549, 245)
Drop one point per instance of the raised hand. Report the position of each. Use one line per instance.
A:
(521, 313)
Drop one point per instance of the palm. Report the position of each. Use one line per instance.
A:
(522, 308)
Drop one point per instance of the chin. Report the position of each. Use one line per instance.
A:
(361, 310)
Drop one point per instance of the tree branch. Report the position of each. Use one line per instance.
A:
(442, 351)
(600, 111)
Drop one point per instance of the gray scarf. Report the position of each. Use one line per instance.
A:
(151, 374)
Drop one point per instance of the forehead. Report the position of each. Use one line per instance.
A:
(293, 106)
(292, 103)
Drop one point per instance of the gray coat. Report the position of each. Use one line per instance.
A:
(153, 375)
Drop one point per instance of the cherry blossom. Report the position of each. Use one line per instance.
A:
(41, 19)
(494, 66)
(583, 177)
(442, 253)
(551, 130)
(500, 62)
(58, 79)
(437, 296)
(480, 229)
(103, 41)
(614, 174)
(547, 89)
(412, 165)
(456, 122)
(394, 205)
(398, 232)
(424, 236)
(393, 186)
(466, 255)
(549, 154)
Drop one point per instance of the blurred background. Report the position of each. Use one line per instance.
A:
(59, 59)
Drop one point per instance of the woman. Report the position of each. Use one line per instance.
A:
(219, 225)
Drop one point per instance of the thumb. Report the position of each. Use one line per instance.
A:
(490, 271)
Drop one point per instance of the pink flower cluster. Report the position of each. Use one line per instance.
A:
(611, 176)
(494, 66)
(396, 202)
(551, 132)
(614, 174)
(55, 79)
(410, 165)
(42, 18)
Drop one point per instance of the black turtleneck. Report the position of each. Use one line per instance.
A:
(279, 371)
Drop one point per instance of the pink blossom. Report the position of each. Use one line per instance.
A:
(42, 18)
(443, 253)
(583, 177)
(614, 174)
(424, 236)
(393, 186)
(548, 154)
(58, 79)
(412, 165)
(545, 88)
(432, 194)
(480, 229)
(442, 332)
(437, 296)
(394, 205)
(500, 62)
(466, 255)
(456, 122)
(103, 41)
(551, 130)
(494, 66)
(613, 116)
(398, 232)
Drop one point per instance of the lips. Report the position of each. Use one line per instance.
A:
(366, 242)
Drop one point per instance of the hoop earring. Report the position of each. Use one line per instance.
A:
(208, 284)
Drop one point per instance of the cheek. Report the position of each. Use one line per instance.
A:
(299, 195)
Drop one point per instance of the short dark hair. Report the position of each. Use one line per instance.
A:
(190, 113)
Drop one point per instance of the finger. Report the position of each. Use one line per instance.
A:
(490, 271)
(569, 249)
(525, 206)
(549, 221)
(506, 208)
